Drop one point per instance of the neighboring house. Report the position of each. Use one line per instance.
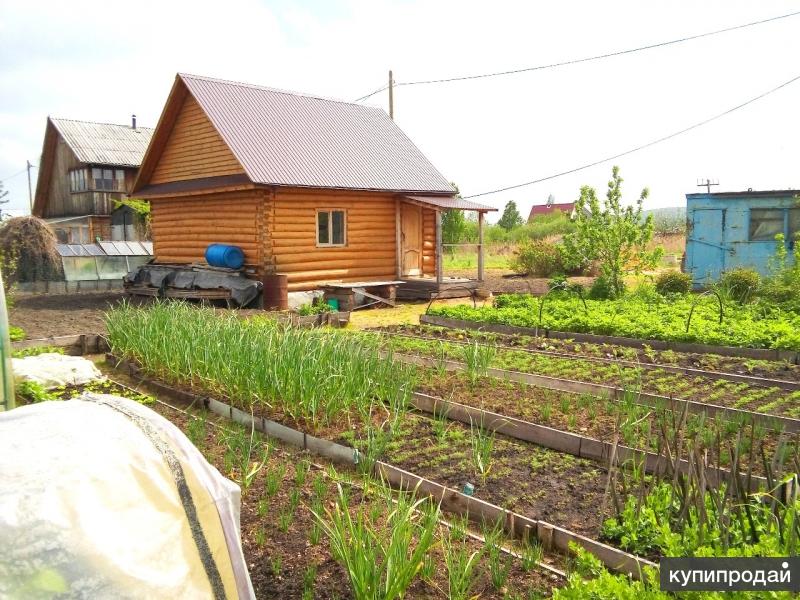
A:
(737, 229)
(320, 190)
(550, 207)
(85, 167)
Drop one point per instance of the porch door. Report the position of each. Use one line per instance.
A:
(411, 239)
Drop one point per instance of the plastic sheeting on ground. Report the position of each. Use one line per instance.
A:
(53, 370)
(243, 290)
(101, 497)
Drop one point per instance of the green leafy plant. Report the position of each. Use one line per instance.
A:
(615, 235)
(33, 391)
(313, 309)
(16, 334)
(36, 351)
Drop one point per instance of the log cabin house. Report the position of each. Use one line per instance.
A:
(319, 190)
(83, 169)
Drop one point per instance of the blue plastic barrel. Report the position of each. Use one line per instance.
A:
(223, 255)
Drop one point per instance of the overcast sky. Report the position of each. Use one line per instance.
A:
(103, 61)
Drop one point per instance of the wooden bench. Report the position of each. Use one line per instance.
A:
(380, 292)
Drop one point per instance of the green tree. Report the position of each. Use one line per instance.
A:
(454, 224)
(511, 217)
(614, 235)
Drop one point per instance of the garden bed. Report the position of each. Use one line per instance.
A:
(678, 321)
(707, 363)
(762, 400)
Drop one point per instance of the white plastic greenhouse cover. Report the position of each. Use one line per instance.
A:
(101, 497)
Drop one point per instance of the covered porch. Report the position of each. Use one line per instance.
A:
(420, 248)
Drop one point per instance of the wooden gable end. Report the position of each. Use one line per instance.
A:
(194, 149)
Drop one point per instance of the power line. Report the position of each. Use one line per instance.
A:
(378, 91)
(584, 59)
(14, 175)
(642, 147)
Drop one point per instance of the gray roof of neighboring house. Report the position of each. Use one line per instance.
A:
(104, 143)
(285, 138)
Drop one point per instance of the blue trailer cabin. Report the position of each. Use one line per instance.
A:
(737, 229)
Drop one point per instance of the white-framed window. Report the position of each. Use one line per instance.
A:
(332, 227)
(77, 180)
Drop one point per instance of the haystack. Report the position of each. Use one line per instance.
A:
(28, 251)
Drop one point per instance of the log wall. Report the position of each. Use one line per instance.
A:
(370, 252)
(183, 227)
(194, 149)
(277, 231)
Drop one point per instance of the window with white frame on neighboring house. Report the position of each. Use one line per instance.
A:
(331, 227)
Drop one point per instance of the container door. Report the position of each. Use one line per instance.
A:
(411, 239)
(707, 260)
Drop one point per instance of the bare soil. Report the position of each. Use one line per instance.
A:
(68, 314)
(502, 281)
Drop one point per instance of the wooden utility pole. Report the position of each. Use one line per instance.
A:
(391, 95)
(30, 190)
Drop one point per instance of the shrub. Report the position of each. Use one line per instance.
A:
(673, 282)
(537, 258)
(783, 284)
(739, 284)
(602, 289)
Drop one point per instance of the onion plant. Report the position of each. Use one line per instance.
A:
(460, 563)
(482, 447)
(313, 376)
(382, 556)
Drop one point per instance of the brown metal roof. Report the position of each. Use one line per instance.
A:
(104, 143)
(450, 202)
(285, 138)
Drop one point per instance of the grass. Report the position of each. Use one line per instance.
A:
(312, 376)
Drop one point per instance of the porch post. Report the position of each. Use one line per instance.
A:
(480, 246)
(397, 243)
(438, 246)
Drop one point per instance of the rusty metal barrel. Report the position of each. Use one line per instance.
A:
(275, 292)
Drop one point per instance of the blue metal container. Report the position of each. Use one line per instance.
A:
(223, 255)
